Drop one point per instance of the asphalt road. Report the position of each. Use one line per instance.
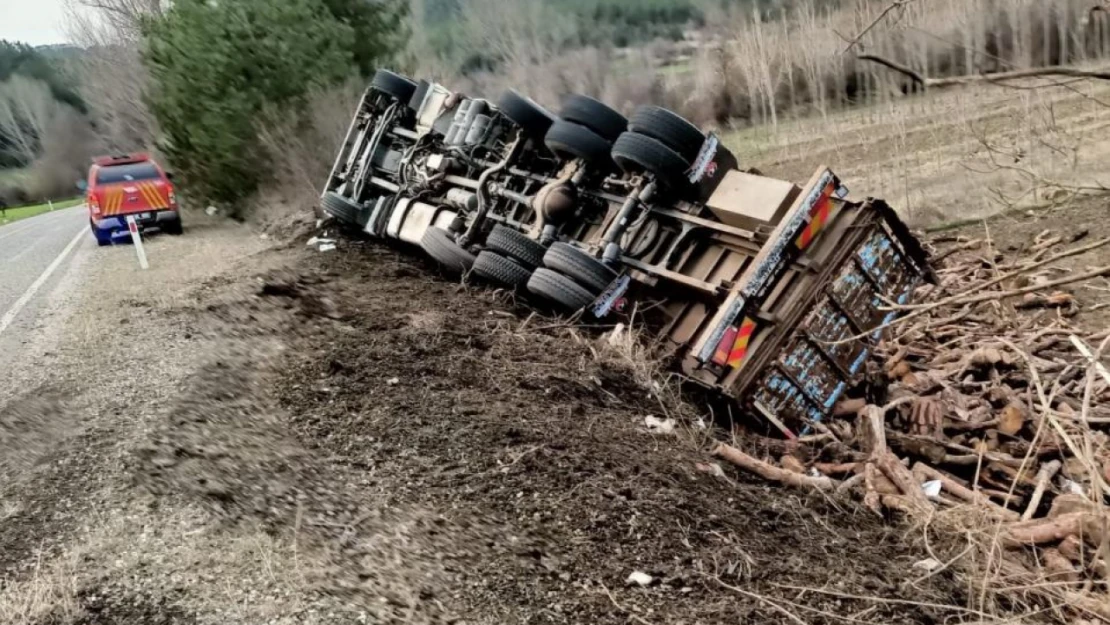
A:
(36, 256)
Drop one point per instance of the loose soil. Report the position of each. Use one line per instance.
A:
(351, 437)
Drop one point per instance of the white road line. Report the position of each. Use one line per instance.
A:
(24, 299)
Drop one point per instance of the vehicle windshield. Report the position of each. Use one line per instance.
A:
(131, 172)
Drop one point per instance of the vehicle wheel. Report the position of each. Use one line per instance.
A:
(342, 208)
(570, 141)
(636, 153)
(101, 240)
(595, 115)
(394, 85)
(418, 96)
(587, 270)
(509, 242)
(560, 289)
(439, 244)
(524, 112)
(174, 227)
(669, 128)
(497, 268)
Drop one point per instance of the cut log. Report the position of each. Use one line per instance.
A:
(1044, 478)
(1042, 531)
(949, 484)
(1057, 568)
(849, 407)
(871, 431)
(1072, 548)
(771, 472)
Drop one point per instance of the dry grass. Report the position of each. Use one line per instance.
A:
(49, 591)
(957, 154)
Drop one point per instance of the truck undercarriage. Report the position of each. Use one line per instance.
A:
(770, 292)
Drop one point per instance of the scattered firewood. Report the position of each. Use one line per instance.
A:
(1072, 548)
(769, 472)
(1041, 531)
(1058, 299)
(1011, 419)
(792, 464)
(1058, 568)
(949, 484)
(1044, 477)
(994, 394)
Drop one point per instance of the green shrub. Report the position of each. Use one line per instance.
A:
(219, 66)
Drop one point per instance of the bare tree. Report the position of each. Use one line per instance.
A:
(27, 109)
(111, 75)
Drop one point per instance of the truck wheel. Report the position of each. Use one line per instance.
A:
(439, 244)
(101, 240)
(509, 242)
(595, 115)
(496, 268)
(418, 96)
(524, 112)
(587, 270)
(395, 85)
(669, 128)
(570, 141)
(174, 227)
(560, 289)
(342, 208)
(636, 153)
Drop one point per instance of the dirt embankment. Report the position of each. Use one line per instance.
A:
(351, 438)
(430, 457)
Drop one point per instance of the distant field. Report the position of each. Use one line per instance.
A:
(23, 212)
(957, 154)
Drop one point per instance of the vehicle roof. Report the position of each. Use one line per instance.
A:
(121, 159)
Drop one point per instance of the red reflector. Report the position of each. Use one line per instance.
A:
(724, 347)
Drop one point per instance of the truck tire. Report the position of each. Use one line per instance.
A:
(524, 112)
(418, 96)
(174, 227)
(439, 244)
(513, 244)
(595, 115)
(395, 85)
(669, 128)
(583, 268)
(570, 140)
(500, 270)
(636, 153)
(556, 287)
(342, 208)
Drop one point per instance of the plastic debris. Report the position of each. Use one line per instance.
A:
(639, 578)
(656, 425)
(932, 488)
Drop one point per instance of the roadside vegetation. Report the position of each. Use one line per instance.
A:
(45, 135)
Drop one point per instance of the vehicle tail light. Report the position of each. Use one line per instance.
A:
(733, 346)
(172, 198)
(724, 347)
(94, 205)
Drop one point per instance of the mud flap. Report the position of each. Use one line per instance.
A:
(612, 298)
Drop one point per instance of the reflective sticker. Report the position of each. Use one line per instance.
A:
(733, 347)
(819, 217)
(704, 165)
(612, 294)
(740, 347)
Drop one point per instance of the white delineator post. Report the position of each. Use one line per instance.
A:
(133, 228)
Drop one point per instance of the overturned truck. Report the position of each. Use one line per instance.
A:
(770, 292)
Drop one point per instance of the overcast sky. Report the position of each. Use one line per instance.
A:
(37, 22)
